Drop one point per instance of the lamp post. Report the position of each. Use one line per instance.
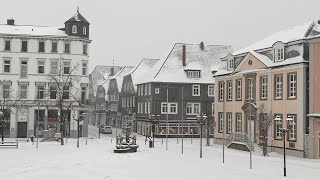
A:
(80, 118)
(290, 123)
(201, 121)
(154, 119)
(2, 126)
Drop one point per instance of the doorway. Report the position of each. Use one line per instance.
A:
(22, 130)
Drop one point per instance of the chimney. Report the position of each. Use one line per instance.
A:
(10, 22)
(112, 71)
(202, 46)
(184, 55)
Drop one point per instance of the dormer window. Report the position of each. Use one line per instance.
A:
(278, 51)
(74, 29)
(193, 74)
(84, 31)
(231, 63)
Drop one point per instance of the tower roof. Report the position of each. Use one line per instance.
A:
(77, 17)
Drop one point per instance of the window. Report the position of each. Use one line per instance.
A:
(142, 112)
(280, 54)
(193, 109)
(250, 88)
(54, 47)
(6, 66)
(212, 109)
(128, 102)
(239, 89)
(149, 108)
(157, 90)
(239, 122)
(66, 67)
(133, 101)
(40, 66)
(146, 107)
(292, 85)
(84, 30)
(141, 89)
(264, 87)
(278, 81)
(53, 92)
(190, 74)
(54, 67)
(65, 94)
(220, 122)
(6, 91)
(172, 107)
(85, 48)
(229, 115)
(149, 89)
(210, 90)
(278, 133)
(23, 90)
(74, 29)
(66, 47)
(195, 90)
(83, 95)
(146, 89)
(193, 74)
(138, 87)
(7, 45)
(229, 84)
(24, 46)
(293, 130)
(41, 46)
(24, 69)
(231, 63)
(123, 103)
(40, 91)
(84, 68)
(221, 90)
(138, 107)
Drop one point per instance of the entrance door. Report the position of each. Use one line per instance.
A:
(250, 127)
(22, 129)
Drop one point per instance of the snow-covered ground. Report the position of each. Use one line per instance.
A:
(97, 161)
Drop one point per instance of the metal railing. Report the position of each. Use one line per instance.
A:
(235, 137)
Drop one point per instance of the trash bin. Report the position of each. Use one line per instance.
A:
(32, 138)
(150, 144)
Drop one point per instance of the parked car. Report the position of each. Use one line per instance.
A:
(106, 130)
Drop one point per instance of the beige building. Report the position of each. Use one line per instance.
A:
(274, 73)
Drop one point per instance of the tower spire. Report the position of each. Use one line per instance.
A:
(78, 9)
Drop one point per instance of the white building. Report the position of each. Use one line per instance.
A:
(29, 56)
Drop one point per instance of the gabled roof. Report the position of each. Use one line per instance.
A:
(138, 73)
(77, 17)
(172, 69)
(119, 76)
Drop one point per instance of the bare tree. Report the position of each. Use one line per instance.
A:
(264, 122)
(63, 92)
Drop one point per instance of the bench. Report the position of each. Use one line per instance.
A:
(9, 144)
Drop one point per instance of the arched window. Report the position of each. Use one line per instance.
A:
(84, 30)
(74, 29)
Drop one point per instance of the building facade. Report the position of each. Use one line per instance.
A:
(34, 62)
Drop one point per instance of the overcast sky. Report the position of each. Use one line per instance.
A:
(129, 30)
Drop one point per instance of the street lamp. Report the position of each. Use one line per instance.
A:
(2, 125)
(201, 121)
(80, 118)
(290, 124)
(154, 119)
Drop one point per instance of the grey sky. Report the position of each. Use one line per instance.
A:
(128, 30)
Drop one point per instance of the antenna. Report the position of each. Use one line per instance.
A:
(78, 9)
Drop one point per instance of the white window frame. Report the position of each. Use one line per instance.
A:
(229, 117)
(231, 63)
(293, 131)
(239, 89)
(190, 74)
(171, 106)
(54, 66)
(239, 122)
(139, 111)
(26, 90)
(24, 65)
(146, 89)
(210, 90)
(156, 90)
(74, 29)
(221, 122)
(54, 50)
(68, 65)
(278, 134)
(149, 107)
(250, 88)
(212, 109)
(221, 90)
(84, 30)
(279, 86)
(196, 87)
(264, 87)
(5, 63)
(84, 68)
(193, 108)
(280, 54)
(229, 87)
(41, 65)
(196, 74)
(40, 91)
(292, 85)
(149, 89)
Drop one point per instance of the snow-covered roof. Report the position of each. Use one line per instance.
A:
(172, 69)
(30, 30)
(292, 34)
(138, 73)
(119, 76)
